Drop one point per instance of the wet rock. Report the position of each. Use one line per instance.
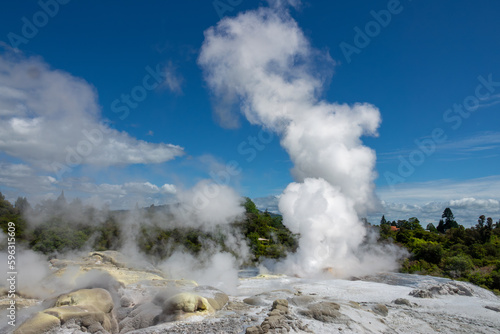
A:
(402, 301)
(40, 323)
(141, 316)
(323, 311)
(303, 300)
(215, 297)
(273, 322)
(452, 288)
(354, 305)
(238, 307)
(171, 304)
(98, 298)
(212, 326)
(85, 307)
(277, 321)
(96, 328)
(493, 308)
(254, 330)
(380, 309)
(255, 301)
(276, 294)
(125, 301)
(461, 289)
(420, 293)
(280, 305)
(122, 312)
(186, 302)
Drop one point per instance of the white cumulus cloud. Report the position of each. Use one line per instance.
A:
(468, 199)
(52, 120)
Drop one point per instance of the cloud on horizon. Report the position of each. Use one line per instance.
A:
(468, 199)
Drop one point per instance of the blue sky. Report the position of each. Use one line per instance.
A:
(417, 66)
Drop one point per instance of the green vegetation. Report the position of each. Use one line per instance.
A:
(266, 234)
(450, 250)
(10, 213)
(59, 226)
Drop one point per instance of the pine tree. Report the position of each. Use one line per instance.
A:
(449, 221)
(383, 221)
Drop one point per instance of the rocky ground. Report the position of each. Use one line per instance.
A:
(104, 293)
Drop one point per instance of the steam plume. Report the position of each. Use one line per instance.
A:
(262, 60)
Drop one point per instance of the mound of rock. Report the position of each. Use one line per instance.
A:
(323, 311)
(170, 305)
(402, 301)
(90, 309)
(113, 265)
(380, 309)
(279, 320)
(452, 288)
(109, 294)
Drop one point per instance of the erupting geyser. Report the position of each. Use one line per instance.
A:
(262, 60)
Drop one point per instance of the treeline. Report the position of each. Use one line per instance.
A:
(449, 250)
(56, 226)
(264, 233)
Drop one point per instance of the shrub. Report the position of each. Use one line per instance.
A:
(430, 252)
(457, 266)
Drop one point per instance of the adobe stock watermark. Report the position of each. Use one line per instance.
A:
(31, 26)
(363, 37)
(249, 149)
(453, 116)
(92, 138)
(11, 273)
(223, 6)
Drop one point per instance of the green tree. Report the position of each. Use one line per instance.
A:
(448, 215)
(412, 224)
(489, 223)
(430, 252)
(480, 222)
(8, 213)
(383, 221)
(5, 206)
(250, 206)
(457, 266)
(61, 202)
(431, 228)
(22, 205)
(448, 222)
(483, 230)
(440, 228)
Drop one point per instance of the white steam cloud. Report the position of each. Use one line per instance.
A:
(207, 207)
(263, 60)
(32, 268)
(208, 204)
(216, 269)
